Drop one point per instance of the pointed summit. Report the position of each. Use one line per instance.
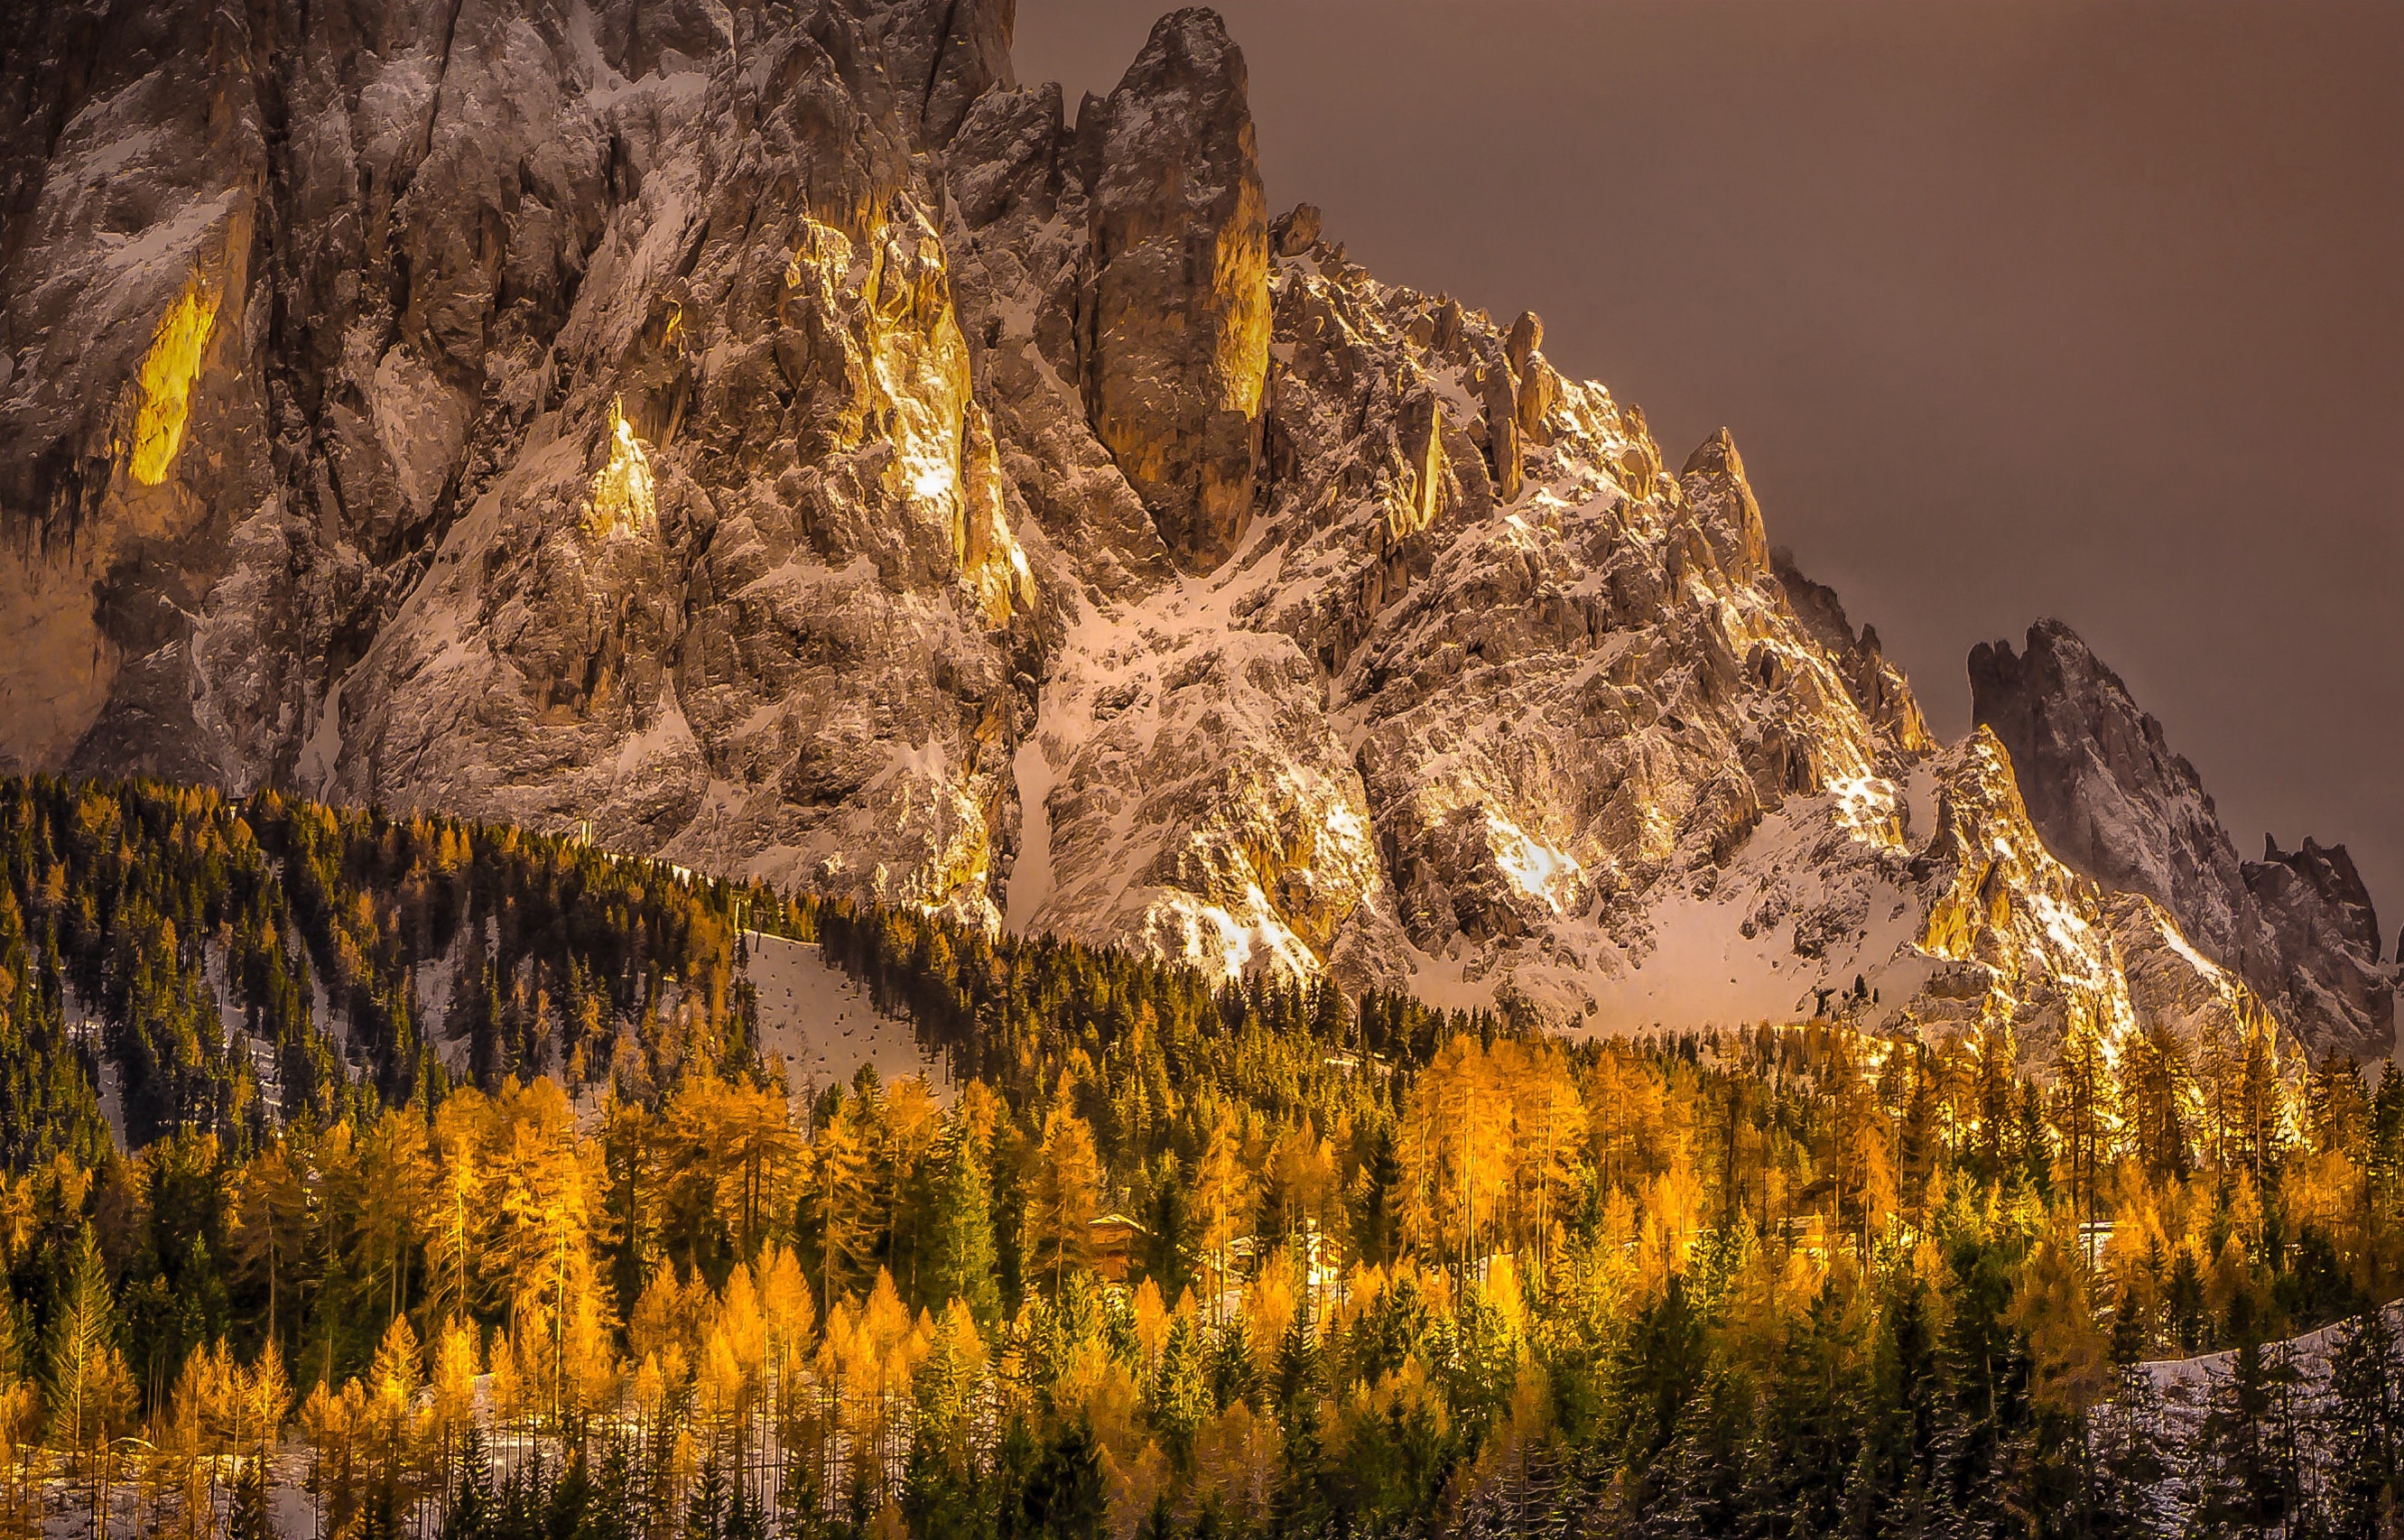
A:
(1175, 317)
(1723, 501)
(2118, 805)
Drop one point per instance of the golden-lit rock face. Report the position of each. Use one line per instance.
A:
(165, 401)
(622, 503)
(1176, 335)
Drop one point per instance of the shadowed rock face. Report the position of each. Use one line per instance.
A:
(2325, 936)
(774, 437)
(2116, 804)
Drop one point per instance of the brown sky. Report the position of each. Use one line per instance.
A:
(2015, 308)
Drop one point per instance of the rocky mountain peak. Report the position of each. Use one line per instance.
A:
(2118, 806)
(2102, 783)
(1713, 481)
(943, 54)
(794, 448)
(1174, 313)
(2330, 873)
(1878, 686)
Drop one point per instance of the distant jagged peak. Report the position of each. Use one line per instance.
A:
(2059, 667)
(2118, 805)
(2104, 785)
(1713, 481)
(2328, 872)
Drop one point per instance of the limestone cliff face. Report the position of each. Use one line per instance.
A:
(774, 439)
(1878, 686)
(134, 164)
(1173, 306)
(555, 413)
(2118, 806)
(2325, 945)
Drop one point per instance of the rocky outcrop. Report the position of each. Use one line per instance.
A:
(2324, 938)
(784, 444)
(1878, 686)
(546, 413)
(1174, 313)
(1296, 231)
(2174, 989)
(1715, 484)
(2117, 805)
(942, 55)
(134, 157)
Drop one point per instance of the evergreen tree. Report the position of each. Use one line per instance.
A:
(1018, 1503)
(1172, 1237)
(2364, 1429)
(519, 1513)
(568, 1504)
(2385, 1164)
(1299, 1506)
(960, 1262)
(2245, 1478)
(941, 1497)
(747, 1518)
(705, 1514)
(1300, 1367)
(1063, 1499)
(473, 1509)
(2135, 1461)
(1159, 1522)
(614, 1512)
(253, 1517)
(2182, 1303)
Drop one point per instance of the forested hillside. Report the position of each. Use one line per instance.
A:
(562, 1258)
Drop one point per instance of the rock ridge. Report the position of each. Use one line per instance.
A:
(776, 440)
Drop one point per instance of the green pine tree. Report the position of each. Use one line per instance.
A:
(2365, 1428)
(253, 1518)
(960, 1262)
(2246, 1478)
(704, 1513)
(1064, 1499)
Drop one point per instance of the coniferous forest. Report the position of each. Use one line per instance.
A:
(371, 1176)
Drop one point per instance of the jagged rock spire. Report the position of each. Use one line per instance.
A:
(1175, 323)
(2118, 805)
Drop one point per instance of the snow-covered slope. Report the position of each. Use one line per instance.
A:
(821, 1027)
(2301, 1368)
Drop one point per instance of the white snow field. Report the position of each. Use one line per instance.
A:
(821, 1027)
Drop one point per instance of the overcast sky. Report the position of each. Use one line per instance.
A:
(2014, 308)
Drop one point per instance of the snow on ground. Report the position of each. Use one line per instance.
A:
(291, 1509)
(819, 1023)
(1030, 878)
(2188, 1383)
(1724, 952)
(324, 748)
(2185, 1386)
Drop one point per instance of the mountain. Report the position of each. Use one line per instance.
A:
(774, 439)
(2119, 806)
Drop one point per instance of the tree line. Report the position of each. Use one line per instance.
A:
(566, 1256)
